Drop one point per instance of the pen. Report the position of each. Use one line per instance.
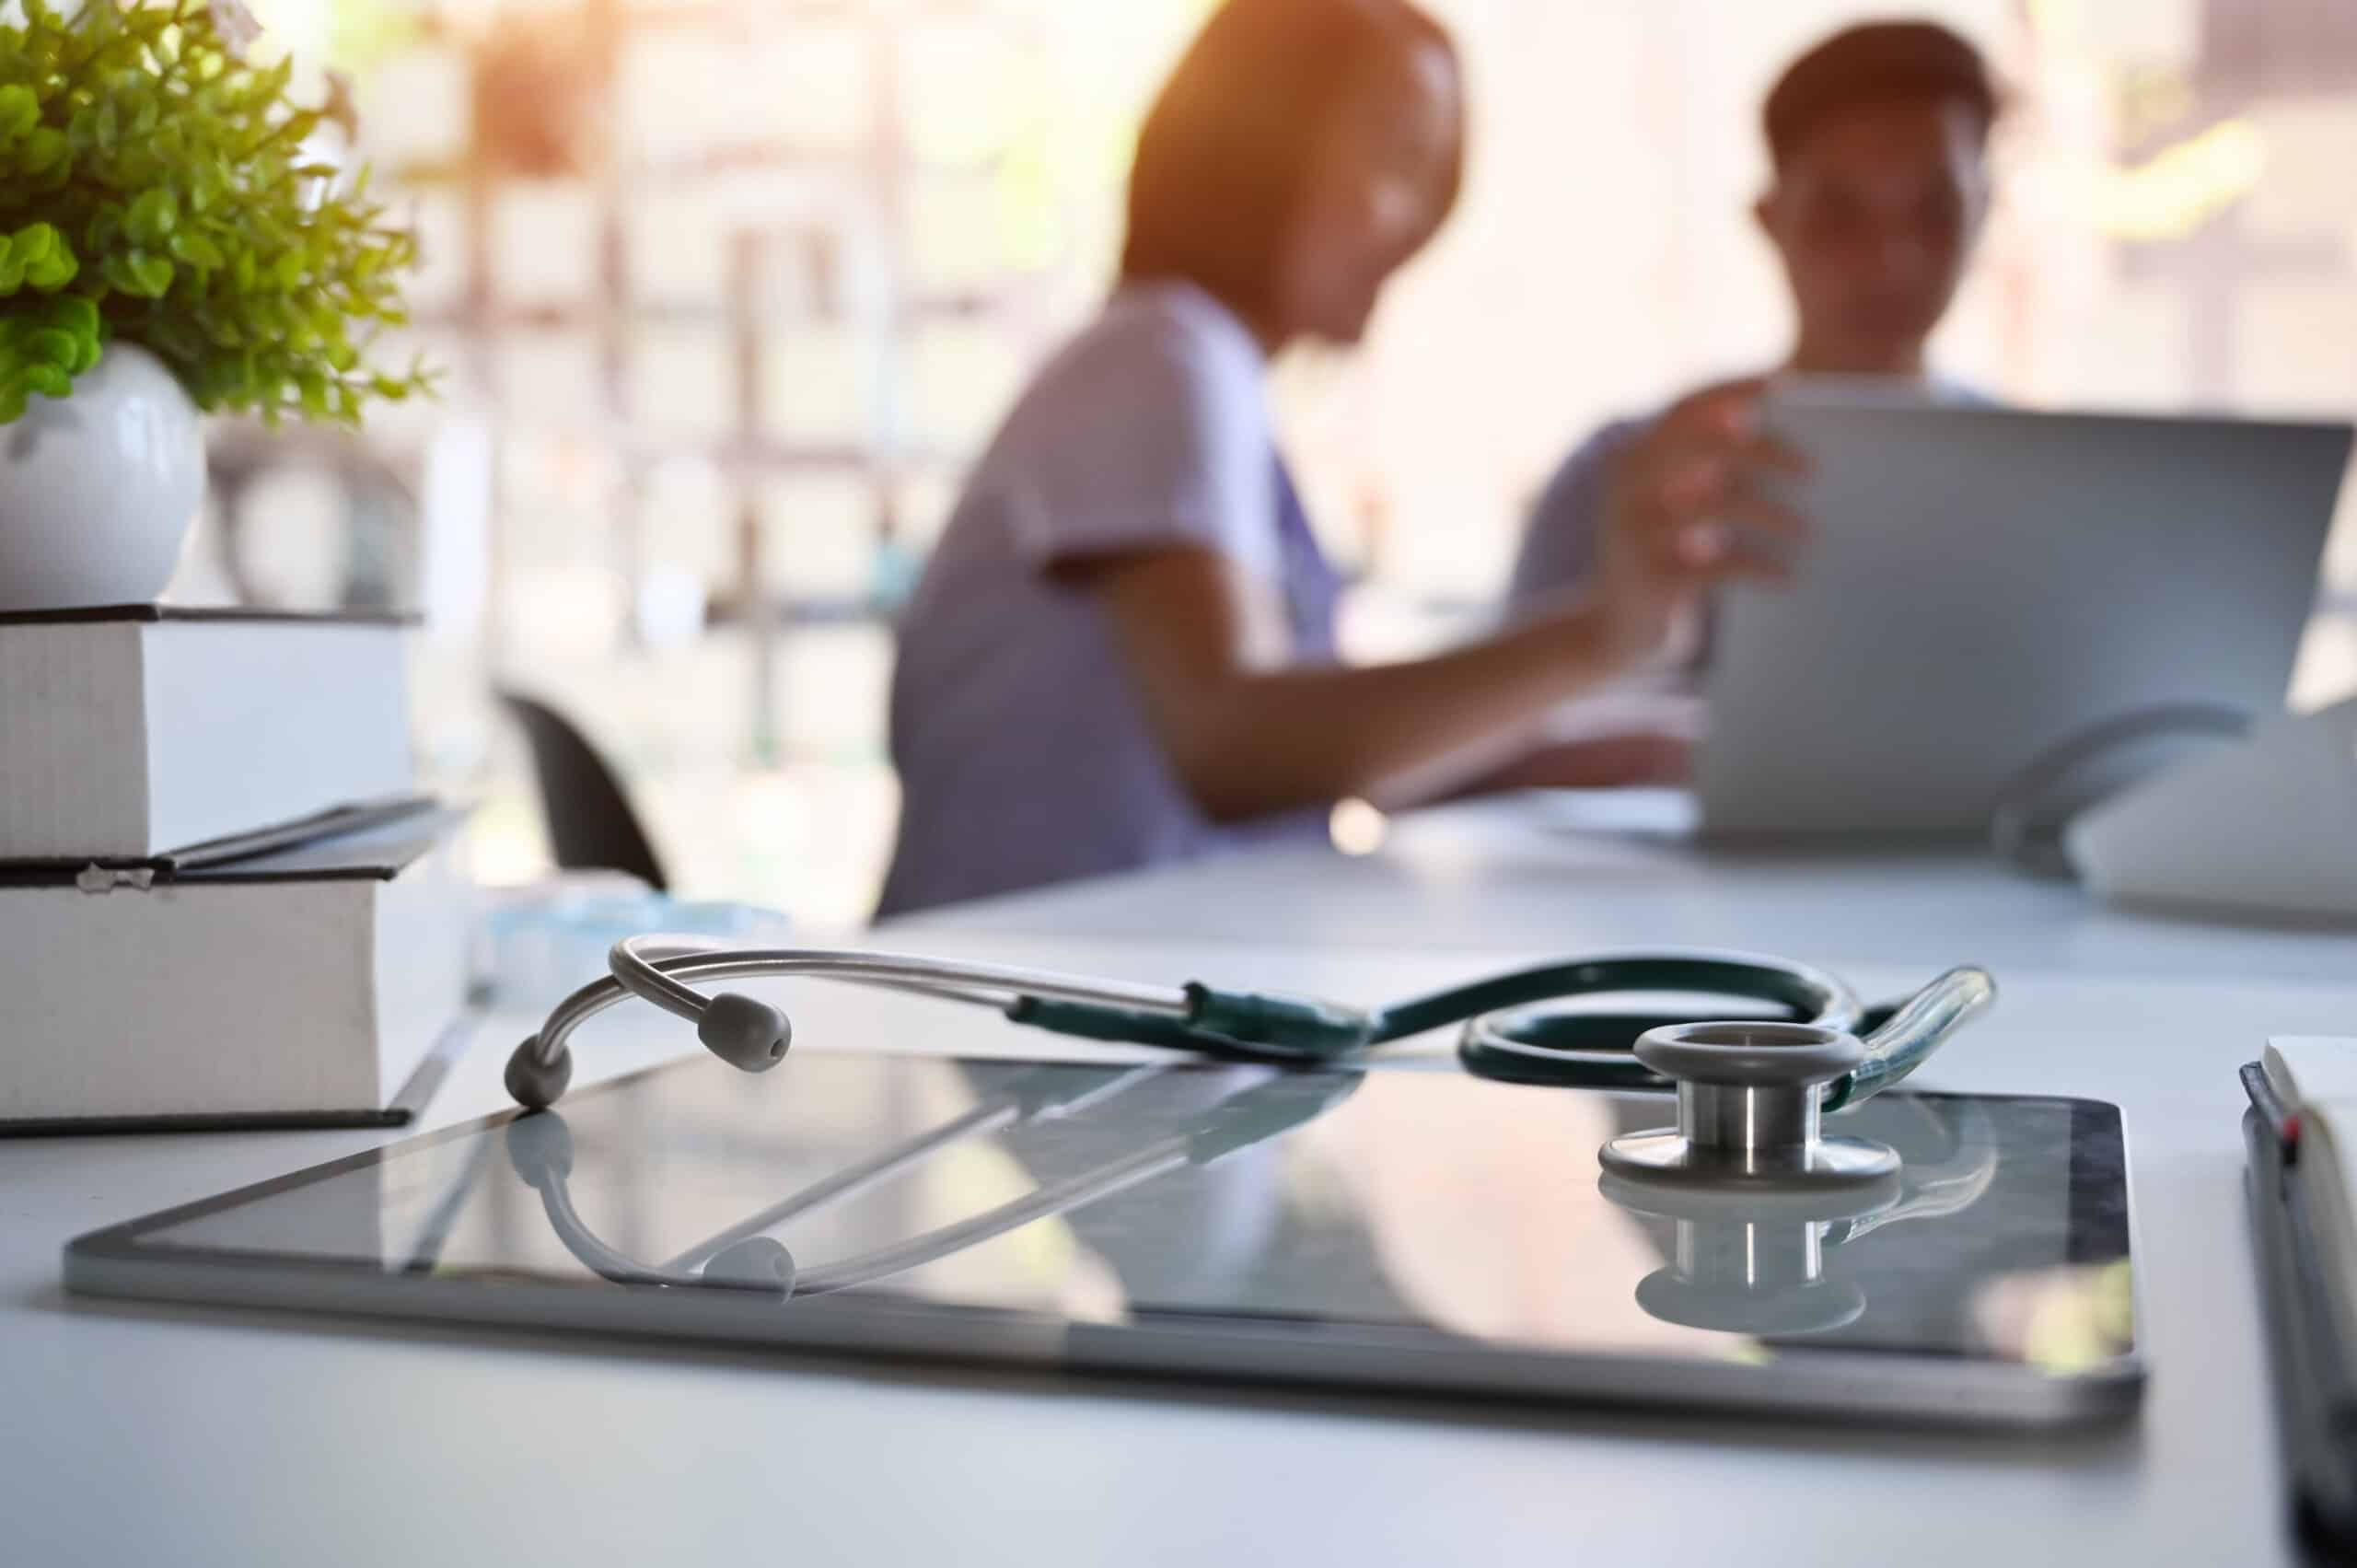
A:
(2280, 1118)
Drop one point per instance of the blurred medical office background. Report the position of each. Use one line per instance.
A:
(727, 295)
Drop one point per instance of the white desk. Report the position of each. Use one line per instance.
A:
(204, 1436)
(1516, 875)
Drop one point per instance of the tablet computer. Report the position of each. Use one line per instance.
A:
(1395, 1230)
(1983, 585)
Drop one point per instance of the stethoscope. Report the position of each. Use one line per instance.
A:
(1750, 1092)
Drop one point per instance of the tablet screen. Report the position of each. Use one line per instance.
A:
(1396, 1199)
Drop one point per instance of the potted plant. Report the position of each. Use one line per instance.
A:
(170, 244)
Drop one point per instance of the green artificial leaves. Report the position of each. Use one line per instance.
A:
(156, 189)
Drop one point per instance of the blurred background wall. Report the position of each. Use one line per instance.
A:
(727, 295)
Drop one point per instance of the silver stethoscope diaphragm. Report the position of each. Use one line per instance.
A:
(1750, 1110)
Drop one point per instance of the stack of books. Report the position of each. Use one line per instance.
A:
(222, 901)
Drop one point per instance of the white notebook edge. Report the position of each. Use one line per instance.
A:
(2316, 1075)
(2312, 1069)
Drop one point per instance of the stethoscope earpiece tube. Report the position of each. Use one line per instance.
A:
(753, 1036)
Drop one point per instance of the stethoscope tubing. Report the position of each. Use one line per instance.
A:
(1281, 1027)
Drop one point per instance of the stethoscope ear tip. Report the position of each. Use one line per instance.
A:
(749, 1035)
(533, 1083)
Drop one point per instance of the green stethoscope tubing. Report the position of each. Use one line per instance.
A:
(1512, 1037)
(1505, 1038)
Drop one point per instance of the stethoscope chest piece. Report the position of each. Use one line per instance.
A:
(1749, 1098)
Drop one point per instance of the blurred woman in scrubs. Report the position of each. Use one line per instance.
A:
(1123, 651)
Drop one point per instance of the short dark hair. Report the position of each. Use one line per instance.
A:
(1224, 150)
(1877, 63)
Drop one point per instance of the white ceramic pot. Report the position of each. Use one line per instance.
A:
(97, 490)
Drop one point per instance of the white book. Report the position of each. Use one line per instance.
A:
(2317, 1077)
(2313, 1069)
(309, 985)
(129, 733)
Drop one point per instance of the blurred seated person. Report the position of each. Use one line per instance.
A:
(1879, 140)
(1121, 653)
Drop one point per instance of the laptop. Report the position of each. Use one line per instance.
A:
(1984, 585)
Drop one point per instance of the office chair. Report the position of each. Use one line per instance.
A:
(591, 825)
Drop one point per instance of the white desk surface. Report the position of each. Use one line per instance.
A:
(175, 1436)
(1528, 874)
